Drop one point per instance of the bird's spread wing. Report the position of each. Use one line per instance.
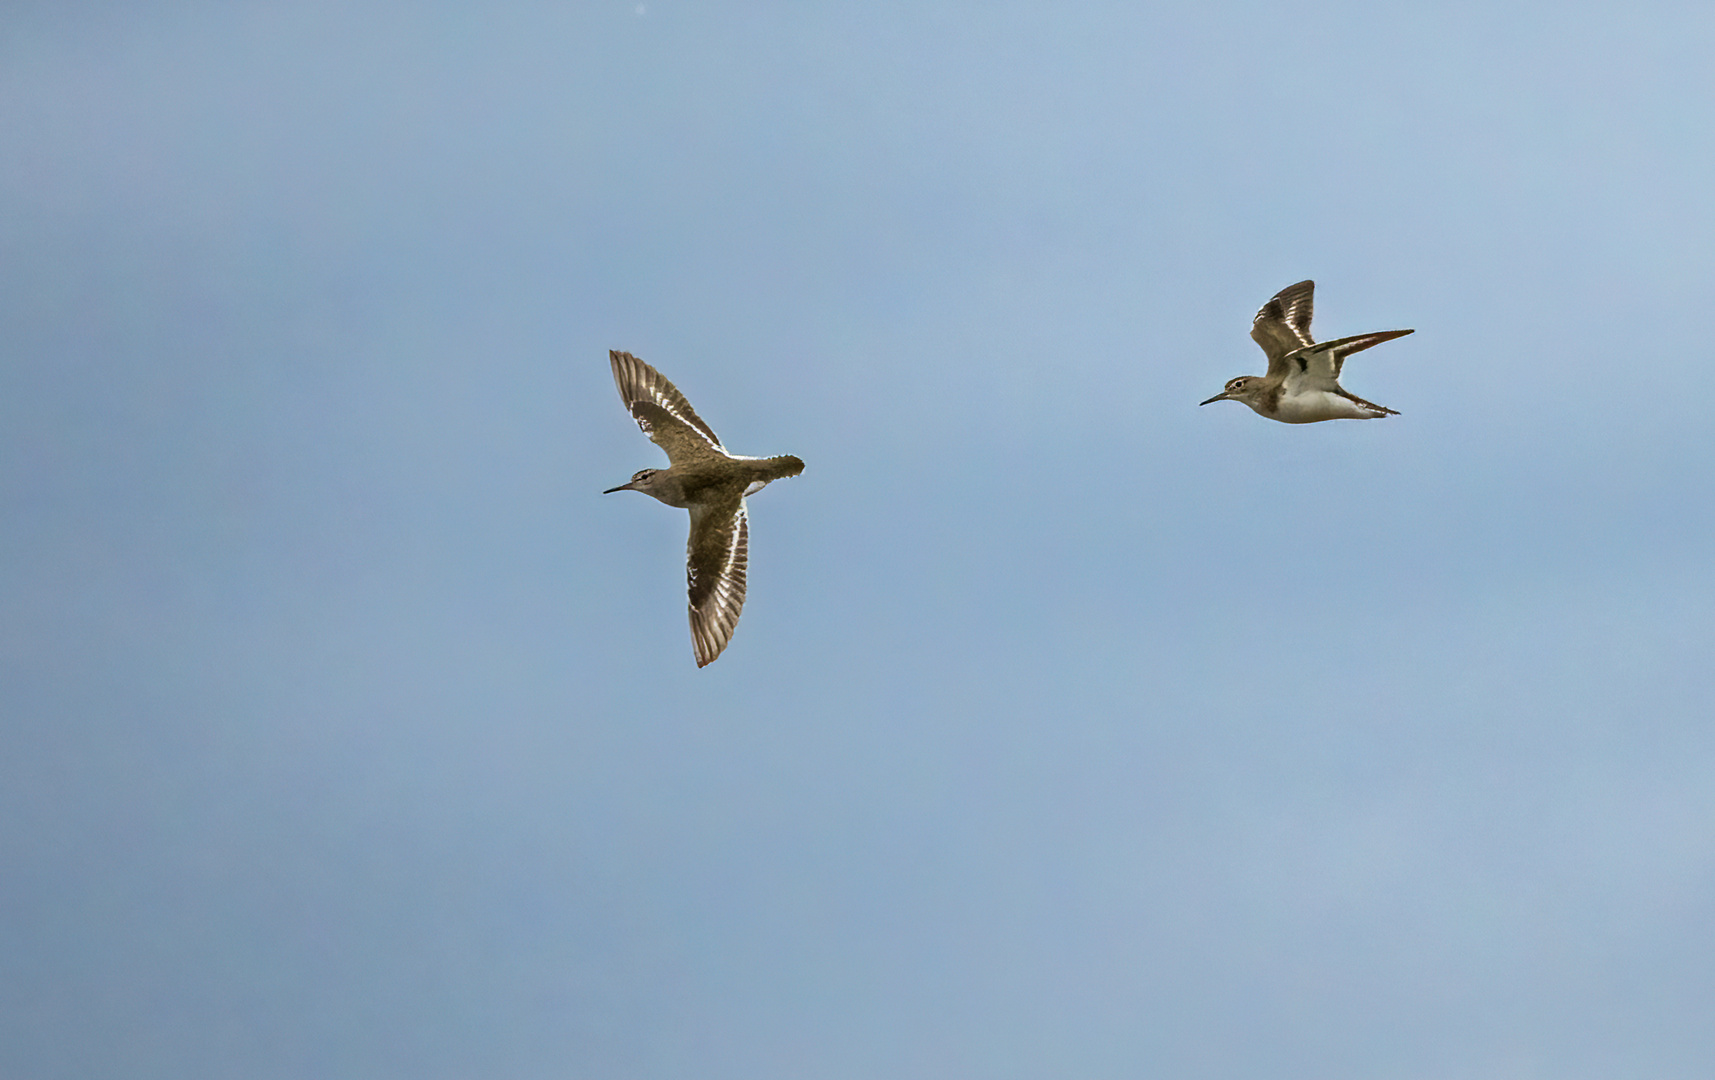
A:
(1283, 324)
(661, 411)
(682, 442)
(715, 562)
(1318, 366)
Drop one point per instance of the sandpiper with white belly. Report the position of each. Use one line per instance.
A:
(1302, 384)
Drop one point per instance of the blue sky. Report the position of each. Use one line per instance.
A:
(1071, 730)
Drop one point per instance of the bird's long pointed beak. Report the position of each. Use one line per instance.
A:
(622, 487)
(1218, 397)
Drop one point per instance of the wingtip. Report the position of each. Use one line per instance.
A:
(622, 361)
(625, 364)
(704, 646)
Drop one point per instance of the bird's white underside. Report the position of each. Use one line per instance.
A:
(1310, 406)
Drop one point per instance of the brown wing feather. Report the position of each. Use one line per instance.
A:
(682, 442)
(1283, 324)
(1318, 367)
(715, 562)
(638, 381)
(1341, 348)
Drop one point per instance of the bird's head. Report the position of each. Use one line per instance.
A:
(640, 482)
(1242, 389)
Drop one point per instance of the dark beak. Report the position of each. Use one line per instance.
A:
(622, 487)
(1222, 396)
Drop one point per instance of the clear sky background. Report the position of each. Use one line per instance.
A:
(1071, 730)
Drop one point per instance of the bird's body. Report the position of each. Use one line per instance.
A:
(709, 482)
(1312, 406)
(1302, 385)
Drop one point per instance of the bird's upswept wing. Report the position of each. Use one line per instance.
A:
(662, 412)
(1317, 367)
(1283, 324)
(715, 561)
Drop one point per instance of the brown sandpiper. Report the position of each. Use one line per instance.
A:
(1302, 384)
(709, 482)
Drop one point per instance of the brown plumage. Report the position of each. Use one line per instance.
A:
(1302, 384)
(705, 479)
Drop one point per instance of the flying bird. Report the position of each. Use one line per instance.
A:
(1302, 385)
(709, 482)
